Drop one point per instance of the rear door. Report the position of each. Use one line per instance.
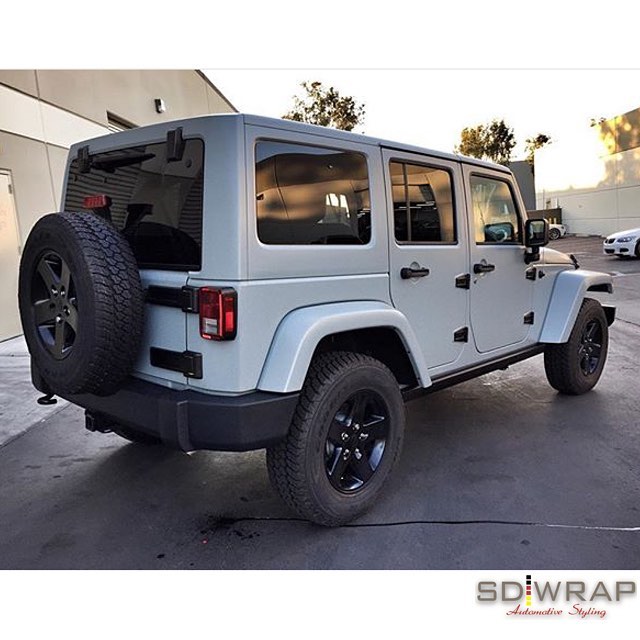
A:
(428, 251)
(153, 193)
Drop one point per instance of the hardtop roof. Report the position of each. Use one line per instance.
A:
(329, 132)
(291, 125)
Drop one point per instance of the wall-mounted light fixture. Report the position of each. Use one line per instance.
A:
(160, 105)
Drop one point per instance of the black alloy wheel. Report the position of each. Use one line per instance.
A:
(356, 441)
(55, 306)
(590, 347)
(345, 438)
(81, 304)
(574, 367)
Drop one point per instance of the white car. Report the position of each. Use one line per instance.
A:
(556, 231)
(623, 243)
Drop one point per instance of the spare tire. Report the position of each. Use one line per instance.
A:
(81, 303)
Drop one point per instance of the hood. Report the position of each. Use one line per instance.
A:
(628, 232)
(551, 256)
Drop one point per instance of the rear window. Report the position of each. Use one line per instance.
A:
(309, 195)
(155, 203)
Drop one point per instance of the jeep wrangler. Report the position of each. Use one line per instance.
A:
(233, 282)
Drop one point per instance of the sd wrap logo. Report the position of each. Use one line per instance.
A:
(577, 598)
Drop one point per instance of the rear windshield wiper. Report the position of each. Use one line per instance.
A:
(115, 162)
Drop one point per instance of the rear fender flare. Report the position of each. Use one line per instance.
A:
(300, 331)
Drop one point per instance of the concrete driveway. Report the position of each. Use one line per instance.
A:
(500, 472)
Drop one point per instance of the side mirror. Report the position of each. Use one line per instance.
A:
(536, 233)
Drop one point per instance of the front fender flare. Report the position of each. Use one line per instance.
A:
(300, 331)
(569, 290)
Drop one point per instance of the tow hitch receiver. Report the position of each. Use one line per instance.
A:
(97, 422)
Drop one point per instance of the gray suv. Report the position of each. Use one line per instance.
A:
(233, 282)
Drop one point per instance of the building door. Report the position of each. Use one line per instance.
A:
(9, 260)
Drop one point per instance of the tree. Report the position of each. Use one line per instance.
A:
(535, 143)
(326, 107)
(493, 141)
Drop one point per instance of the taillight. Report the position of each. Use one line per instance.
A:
(218, 313)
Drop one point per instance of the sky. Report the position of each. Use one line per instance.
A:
(430, 107)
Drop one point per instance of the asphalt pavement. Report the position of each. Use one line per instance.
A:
(499, 472)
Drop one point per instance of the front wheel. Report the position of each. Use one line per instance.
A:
(575, 367)
(344, 440)
(554, 234)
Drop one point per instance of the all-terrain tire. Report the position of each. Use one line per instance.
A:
(297, 465)
(104, 304)
(572, 368)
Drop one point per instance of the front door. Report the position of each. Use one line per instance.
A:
(501, 293)
(428, 251)
(9, 260)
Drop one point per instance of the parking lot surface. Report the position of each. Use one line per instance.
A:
(498, 472)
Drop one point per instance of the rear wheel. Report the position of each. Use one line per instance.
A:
(637, 251)
(575, 367)
(554, 234)
(344, 440)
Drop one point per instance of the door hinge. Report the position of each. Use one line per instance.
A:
(463, 281)
(528, 317)
(461, 335)
(84, 159)
(185, 298)
(188, 363)
(175, 145)
(531, 273)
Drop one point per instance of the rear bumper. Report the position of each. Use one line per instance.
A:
(189, 420)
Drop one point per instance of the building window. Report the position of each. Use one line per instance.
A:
(115, 123)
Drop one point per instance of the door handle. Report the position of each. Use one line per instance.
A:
(481, 267)
(409, 272)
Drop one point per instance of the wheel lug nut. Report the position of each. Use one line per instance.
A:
(364, 436)
(356, 427)
(345, 436)
(58, 319)
(346, 454)
(357, 454)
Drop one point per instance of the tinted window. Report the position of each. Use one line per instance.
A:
(157, 204)
(495, 213)
(311, 195)
(422, 203)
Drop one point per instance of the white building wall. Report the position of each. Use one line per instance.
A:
(597, 188)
